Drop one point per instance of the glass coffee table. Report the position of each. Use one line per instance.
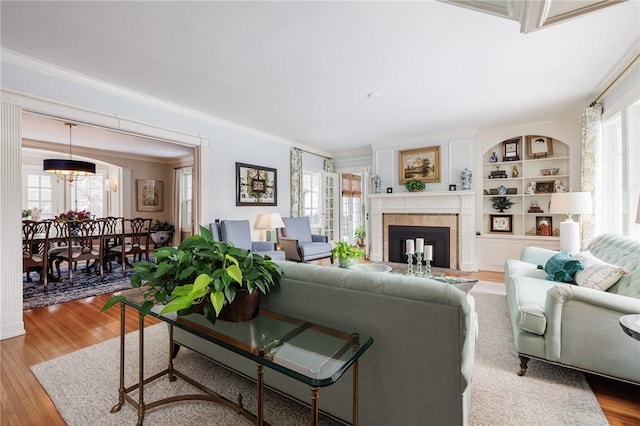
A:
(448, 276)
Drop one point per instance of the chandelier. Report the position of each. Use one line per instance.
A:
(69, 170)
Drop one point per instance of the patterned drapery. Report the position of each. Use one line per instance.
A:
(296, 183)
(591, 140)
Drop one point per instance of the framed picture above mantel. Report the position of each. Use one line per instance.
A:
(422, 164)
(256, 185)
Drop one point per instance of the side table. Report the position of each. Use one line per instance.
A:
(631, 325)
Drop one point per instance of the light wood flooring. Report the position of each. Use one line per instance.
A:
(61, 329)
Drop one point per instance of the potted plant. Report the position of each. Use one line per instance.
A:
(414, 185)
(360, 233)
(203, 275)
(161, 232)
(346, 253)
(501, 203)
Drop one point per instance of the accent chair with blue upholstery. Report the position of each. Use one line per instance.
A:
(238, 232)
(300, 244)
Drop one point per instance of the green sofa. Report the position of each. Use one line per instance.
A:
(418, 370)
(571, 325)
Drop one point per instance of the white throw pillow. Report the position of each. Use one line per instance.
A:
(596, 274)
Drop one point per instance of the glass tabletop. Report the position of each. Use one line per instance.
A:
(308, 352)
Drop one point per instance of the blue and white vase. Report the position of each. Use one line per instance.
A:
(377, 184)
(466, 179)
(502, 190)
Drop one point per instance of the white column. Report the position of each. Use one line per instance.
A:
(11, 323)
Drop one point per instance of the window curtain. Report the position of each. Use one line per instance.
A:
(296, 183)
(591, 141)
(177, 211)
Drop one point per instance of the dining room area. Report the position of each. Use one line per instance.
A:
(92, 199)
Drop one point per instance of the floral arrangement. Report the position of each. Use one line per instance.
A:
(73, 215)
(26, 213)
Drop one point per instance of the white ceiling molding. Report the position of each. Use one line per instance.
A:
(534, 15)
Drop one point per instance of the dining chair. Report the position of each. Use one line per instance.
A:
(35, 240)
(85, 243)
(135, 241)
(58, 242)
(111, 238)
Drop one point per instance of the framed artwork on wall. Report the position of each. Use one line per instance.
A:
(149, 195)
(422, 164)
(511, 149)
(539, 146)
(256, 185)
(501, 223)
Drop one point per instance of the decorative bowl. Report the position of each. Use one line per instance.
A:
(545, 172)
(554, 171)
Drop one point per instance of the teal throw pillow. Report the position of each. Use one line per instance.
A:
(562, 267)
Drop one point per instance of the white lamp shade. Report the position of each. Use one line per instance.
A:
(269, 221)
(571, 203)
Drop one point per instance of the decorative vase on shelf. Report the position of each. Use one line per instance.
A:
(502, 190)
(466, 179)
(377, 184)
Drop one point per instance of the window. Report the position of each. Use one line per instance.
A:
(351, 205)
(311, 197)
(40, 193)
(186, 194)
(88, 194)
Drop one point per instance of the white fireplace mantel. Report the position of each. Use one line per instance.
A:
(462, 203)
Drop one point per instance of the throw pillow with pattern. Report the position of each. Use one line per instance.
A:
(597, 274)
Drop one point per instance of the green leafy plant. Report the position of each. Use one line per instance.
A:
(346, 253)
(360, 232)
(160, 225)
(501, 203)
(414, 185)
(200, 271)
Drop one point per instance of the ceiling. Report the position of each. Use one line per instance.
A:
(335, 76)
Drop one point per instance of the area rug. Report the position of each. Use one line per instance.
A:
(84, 285)
(83, 385)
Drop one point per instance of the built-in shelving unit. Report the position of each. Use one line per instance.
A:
(521, 174)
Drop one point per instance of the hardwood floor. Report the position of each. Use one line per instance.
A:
(61, 329)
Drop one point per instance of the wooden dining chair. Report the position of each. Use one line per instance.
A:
(111, 238)
(135, 241)
(35, 241)
(85, 243)
(58, 243)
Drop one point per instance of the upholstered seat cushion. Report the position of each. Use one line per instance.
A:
(309, 249)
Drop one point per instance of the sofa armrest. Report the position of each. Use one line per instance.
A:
(317, 238)
(291, 249)
(536, 255)
(570, 307)
(263, 246)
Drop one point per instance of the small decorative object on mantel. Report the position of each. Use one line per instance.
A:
(534, 207)
(389, 190)
(494, 157)
(559, 187)
(377, 184)
(514, 172)
(501, 203)
(502, 190)
(465, 176)
(531, 189)
(414, 185)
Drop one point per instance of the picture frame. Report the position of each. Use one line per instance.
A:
(149, 195)
(256, 185)
(544, 226)
(389, 190)
(511, 149)
(544, 187)
(539, 146)
(422, 164)
(452, 187)
(502, 223)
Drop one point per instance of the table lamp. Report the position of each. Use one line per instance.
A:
(570, 203)
(268, 222)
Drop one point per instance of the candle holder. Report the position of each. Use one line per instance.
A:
(419, 263)
(428, 268)
(409, 263)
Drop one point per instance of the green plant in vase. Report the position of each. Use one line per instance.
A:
(346, 253)
(501, 203)
(200, 275)
(359, 234)
(414, 185)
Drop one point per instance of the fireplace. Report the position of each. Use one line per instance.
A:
(454, 210)
(435, 236)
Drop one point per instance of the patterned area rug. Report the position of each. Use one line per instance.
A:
(83, 385)
(84, 285)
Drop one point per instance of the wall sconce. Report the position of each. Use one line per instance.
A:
(111, 184)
